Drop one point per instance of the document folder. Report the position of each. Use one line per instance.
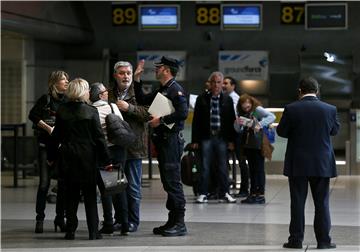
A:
(161, 106)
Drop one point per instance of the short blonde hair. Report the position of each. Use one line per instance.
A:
(77, 90)
(54, 78)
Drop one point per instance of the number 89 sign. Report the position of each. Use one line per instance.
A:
(124, 14)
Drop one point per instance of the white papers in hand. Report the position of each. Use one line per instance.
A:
(247, 121)
(161, 106)
(192, 100)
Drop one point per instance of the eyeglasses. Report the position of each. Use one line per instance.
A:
(103, 91)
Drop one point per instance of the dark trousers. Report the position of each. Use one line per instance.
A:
(214, 150)
(72, 203)
(121, 211)
(257, 171)
(45, 173)
(298, 193)
(244, 169)
(169, 148)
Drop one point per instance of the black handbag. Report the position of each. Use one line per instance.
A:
(253, 140)
(114, 181)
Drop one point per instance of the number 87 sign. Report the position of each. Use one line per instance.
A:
(292, 13)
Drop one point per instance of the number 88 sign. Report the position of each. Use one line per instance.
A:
(207, 14)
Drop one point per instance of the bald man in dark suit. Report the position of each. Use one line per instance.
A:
(308, 125)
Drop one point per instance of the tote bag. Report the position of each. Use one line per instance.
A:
(114, 180)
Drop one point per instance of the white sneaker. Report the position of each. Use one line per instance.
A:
(202, 199)
(227, 199)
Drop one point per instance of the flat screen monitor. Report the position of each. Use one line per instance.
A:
(159, 17)
(241, 16)
(326, 16)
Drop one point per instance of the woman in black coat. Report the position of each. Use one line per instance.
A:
(43, 117)
(82, 150)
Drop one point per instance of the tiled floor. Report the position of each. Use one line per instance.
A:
(212, 226)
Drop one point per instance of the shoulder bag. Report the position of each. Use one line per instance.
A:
(114, 181)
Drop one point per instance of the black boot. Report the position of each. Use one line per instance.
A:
(169, 223)
(39, 226)
(178, 228)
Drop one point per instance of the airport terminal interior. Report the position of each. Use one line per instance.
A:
(267, 46)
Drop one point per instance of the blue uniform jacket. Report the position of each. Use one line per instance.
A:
(175, 93)
(308, 125)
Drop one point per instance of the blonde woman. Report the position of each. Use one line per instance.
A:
(43, 117)
(82, 150)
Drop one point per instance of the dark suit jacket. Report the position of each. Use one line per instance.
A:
(201, 119)
(308, 125)
(82, 142)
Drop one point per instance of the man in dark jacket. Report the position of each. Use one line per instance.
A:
(308, 124)
(213, 131)
(169, 142)
(122, 93)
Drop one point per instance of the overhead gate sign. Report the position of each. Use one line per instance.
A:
(245, 65)
(154, 56)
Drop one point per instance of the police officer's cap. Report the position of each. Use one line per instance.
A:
(167, 61)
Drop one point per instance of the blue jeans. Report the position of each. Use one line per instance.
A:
(133, 172)
(119, 200)
(211, 149)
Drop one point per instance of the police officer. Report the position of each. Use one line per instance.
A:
(169, 143)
